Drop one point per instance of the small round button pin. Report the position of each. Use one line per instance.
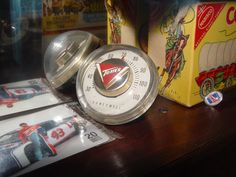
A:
(213, 98)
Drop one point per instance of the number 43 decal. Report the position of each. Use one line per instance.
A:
(58, 133)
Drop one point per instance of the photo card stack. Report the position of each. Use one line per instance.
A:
(34, 140)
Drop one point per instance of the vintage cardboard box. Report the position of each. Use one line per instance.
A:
(61, 15)
(195, 51)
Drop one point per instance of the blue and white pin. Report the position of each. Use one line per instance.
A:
(214, 98)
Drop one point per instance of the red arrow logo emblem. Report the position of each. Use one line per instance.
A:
(111, 73)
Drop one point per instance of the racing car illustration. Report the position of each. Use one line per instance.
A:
(217, 65)
(16, 154)
(11, 95)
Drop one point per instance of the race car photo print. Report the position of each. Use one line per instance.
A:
(34, 140)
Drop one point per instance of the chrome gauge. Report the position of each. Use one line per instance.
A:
(117, 84)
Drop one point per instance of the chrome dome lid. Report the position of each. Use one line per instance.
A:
(66, 53)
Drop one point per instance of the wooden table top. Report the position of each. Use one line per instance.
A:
(183, 141)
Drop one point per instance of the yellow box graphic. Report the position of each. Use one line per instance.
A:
(195, 51)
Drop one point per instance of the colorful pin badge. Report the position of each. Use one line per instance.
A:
(213, 98)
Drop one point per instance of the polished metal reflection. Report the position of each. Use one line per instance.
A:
(65, 54)
(64, 57)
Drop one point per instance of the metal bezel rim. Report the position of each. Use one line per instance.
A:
(143, 105)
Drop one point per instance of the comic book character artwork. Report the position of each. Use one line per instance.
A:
(47, 10)
(57, 7)
(32, 143)
(11, 95)
(176, 42)
(75, 6)
(114, 20)
(64, 7)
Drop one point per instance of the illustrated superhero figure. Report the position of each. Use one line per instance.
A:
(38, 136)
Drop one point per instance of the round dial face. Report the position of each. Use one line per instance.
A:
(118, 85)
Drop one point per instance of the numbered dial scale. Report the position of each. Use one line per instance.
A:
(117, 84)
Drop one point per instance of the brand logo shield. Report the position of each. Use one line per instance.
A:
(111, 73)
